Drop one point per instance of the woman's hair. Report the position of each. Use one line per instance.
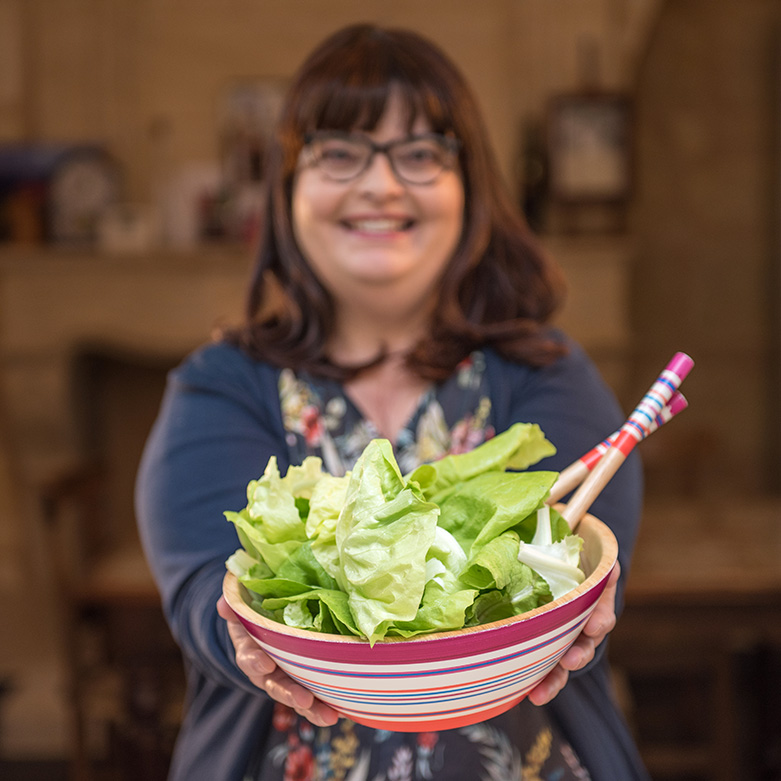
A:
(498, 289)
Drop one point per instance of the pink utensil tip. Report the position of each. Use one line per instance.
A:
(680, 365)
(641, 422)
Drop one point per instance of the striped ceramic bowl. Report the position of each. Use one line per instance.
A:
(443, 680)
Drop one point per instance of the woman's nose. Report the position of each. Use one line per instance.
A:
(379, 176)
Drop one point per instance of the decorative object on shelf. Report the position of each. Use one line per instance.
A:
(128, 228)
(533, 174)
(589, 142)
(55, 192)
(589, 137)
(247, 113)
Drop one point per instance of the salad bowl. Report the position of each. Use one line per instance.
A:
(442, 680)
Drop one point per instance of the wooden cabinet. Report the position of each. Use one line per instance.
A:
(698, 648)
(85, 339)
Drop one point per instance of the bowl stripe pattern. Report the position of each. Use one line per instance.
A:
(437, 681)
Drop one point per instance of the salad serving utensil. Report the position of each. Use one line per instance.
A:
(637, 426)
(573, 475)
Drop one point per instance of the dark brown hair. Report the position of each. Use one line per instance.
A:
(499, 287)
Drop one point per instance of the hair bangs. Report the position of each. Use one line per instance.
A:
(355, 97)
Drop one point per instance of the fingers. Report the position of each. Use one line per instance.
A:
(250, 657)
(599, 625)
(578, 655)
(581, 652)
(603, 619)
(549, 686)
(282, 688)
(263, 672)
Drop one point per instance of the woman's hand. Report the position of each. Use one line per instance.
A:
(581, 652)
(264, 673)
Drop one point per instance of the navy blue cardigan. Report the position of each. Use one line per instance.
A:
(219, 423)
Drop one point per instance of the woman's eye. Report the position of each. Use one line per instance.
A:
(338, 154)
(420, 155)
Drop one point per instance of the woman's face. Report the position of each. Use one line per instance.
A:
(376, 237)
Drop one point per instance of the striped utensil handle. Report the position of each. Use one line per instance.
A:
(633, 431)
(575, 473)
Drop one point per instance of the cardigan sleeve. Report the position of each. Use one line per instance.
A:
(218, 424)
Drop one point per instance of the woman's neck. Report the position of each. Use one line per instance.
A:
(387, 395)
(361, 334)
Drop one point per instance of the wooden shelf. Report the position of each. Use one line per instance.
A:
(666, 761)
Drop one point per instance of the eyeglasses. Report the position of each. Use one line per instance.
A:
(415, 160)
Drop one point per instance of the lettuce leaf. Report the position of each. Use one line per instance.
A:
(509, 587)
(328, 609)
(491, 503)
(556, 562)
(325, 504)
(440, 610)
(255, 541)
(383, 534)
(517, 448)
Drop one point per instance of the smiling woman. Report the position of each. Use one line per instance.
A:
(385, 87)
(397, 294)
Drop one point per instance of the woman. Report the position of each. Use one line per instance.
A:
(397, 294)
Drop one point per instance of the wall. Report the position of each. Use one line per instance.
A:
(146, 76)
(706, 227)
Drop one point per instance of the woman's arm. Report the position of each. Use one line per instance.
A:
(218, 425)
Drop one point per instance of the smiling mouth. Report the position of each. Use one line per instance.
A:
(384, 225)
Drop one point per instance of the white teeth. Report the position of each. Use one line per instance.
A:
(379, 225)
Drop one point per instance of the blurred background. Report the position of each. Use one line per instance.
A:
(641, 138)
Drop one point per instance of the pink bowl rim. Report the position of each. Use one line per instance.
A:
(590, 527)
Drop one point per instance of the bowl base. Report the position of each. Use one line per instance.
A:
(434, 724)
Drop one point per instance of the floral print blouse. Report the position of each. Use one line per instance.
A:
(519, 745)
(321, 420)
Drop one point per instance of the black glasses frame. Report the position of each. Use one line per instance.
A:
(448, 142)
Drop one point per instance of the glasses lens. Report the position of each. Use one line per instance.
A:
(340, 158)
(421, 160)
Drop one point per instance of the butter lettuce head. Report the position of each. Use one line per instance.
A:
(376, 553)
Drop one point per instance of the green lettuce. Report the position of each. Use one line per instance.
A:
(376, 553)
(517, 448)
(383, 534)
(491, 503)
